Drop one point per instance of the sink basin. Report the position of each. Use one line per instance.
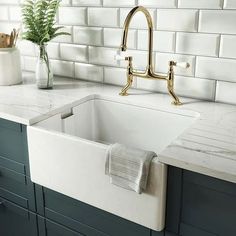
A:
(67, 153)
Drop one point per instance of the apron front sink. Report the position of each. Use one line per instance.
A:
(67, 153)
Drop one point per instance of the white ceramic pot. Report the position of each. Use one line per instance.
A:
(10, 66)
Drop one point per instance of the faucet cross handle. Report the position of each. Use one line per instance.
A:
(184, 65)
(119, 57)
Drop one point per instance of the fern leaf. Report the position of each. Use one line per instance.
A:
(39, 20)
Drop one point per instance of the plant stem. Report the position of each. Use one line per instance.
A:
(44, 57)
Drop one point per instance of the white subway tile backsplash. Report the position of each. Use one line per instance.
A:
(3, 13)
(29, 63)
(184, 30)
(197, 44)
(162, 60)
(112, 38)
(195, 87)
(7, 27)
(152, 85)
(228, 46)
(53, 50)
(225, 92)
(63, 68)
(139, 59)
(72, 15)
(218, 21)
(138, 21)
(214, 68)
(116, 76)
(230, 4)
(15, 13)
(208, 4)
(27, 48)
(103, 17)
(22, 62)
(159, 3)
(162, 41)
(184, 86)
(65, 3)
(88, 35)
(74, 52)
(11, 2)
(102, 56)
(120, 3)
(88, 72)
(177, 19)
(86, 2)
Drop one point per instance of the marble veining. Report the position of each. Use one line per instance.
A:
(207, 147)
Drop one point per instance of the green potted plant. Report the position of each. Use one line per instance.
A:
(39, 24)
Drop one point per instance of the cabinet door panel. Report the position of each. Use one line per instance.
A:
(209, 182)
(13, 165)
(174, 195)
(73, 224)
(16, 221)
(13, 145)
(17, 188)
(53, 229)
(188, 230)
(90, 217)
(209, 210)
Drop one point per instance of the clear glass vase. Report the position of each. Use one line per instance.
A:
(44, 74)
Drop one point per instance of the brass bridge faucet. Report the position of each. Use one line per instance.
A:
(149, 72)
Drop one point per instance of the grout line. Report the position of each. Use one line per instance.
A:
(103, 37)
(175, 43)
(215, 90)
(73, 70)
(103, 74)
(195, 67)
(136, 39)
(118, 17)
(219, 45)
(8, 13)
(198, 21)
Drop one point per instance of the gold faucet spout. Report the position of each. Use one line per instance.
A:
(131, 14)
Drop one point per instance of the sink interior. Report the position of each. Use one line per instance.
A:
(108, 122)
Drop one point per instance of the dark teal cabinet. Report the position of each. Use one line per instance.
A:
(17, 188)
(13, 147)
(16, 221)
(86, 219)
(17, 200)
(197, 205)
(50, 228)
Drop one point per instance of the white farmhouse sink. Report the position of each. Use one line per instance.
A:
(67, 154)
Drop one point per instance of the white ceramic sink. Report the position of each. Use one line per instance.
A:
(68, 153)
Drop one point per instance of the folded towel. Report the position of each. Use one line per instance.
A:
(128, 167)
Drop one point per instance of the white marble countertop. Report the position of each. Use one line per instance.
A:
(207, 147)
